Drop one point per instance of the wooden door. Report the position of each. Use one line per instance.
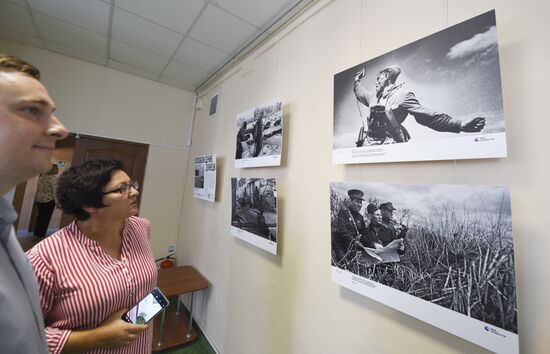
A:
(18, 201)
(133, 156)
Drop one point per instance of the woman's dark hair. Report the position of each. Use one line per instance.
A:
(82, 186)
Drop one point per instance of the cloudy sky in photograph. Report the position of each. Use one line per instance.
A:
(422, 199)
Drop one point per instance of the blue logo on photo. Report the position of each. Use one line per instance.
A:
(493, 331)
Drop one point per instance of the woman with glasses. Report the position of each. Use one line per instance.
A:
(93, 270)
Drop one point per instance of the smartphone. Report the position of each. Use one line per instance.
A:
(147, 308)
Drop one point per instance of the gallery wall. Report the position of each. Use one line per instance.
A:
(286, 303)
(103, 102)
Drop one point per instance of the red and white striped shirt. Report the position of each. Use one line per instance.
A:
(81, 285)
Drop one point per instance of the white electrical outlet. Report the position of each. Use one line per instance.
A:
(171, 249)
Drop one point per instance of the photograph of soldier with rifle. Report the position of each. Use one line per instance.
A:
(260, 135)
(449, 245)
(437, 98)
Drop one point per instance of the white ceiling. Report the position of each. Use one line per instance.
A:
(181, 43)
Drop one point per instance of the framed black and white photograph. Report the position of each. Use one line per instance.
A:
(213, 105)
(254, 211)
(441, 253)
(205, 177)
(259, 134)
(438, 98)
(199, 175)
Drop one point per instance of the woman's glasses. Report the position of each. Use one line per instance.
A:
(124, 188)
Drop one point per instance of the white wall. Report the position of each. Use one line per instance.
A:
(260, 303)
(99, 101)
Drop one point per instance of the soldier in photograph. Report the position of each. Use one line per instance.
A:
(257, 133)
(369, 213)
(242, 137)
(370, 249)
(350, 226)
(390, 105)
(370, 236)
(390, 229)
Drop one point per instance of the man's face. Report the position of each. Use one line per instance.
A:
(381, 82)
(387, 214)
(355, 204)
(28, 128)
(377, 216)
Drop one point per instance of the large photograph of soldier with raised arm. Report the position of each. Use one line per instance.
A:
(434, 99)
(445, 249)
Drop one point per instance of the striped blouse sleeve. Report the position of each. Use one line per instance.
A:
(148, 229)
(55, 337)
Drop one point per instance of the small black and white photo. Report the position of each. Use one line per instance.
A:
(205, 177)
(259, 135)
(443, 247)
(210, 167)
(199, 175)
(437, 98)
(254, 211)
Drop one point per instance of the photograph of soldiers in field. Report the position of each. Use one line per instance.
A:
(449, 245)
(436, 91)
(259, 135)
(254, 211)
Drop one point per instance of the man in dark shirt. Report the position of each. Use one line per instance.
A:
(370, 236)
(258, 134)
(390, 229)
(242, 137)
(350, 226)
(371, 250)
(391, 104)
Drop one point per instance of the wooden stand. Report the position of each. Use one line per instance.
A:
(176, 328)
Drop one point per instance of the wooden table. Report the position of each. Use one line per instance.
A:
(174, 328)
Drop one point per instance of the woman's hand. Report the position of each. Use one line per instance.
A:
(111, 334)
(117, 333)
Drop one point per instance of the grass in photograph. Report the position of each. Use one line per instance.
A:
(462, 260)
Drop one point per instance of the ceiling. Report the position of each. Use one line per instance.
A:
(181, 43)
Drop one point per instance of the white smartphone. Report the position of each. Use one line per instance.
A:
(147, 308)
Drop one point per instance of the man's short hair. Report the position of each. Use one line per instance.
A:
(11, 63)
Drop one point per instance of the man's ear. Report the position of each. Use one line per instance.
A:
(91, 210)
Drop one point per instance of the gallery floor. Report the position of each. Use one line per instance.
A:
(199, 346)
